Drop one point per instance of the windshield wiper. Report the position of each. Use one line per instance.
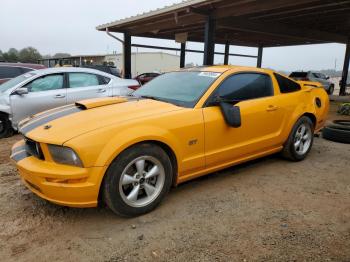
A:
(150, 97)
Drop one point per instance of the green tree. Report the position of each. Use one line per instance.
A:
(11, 55)
(1, 57)
(29, 55)
(60, 55)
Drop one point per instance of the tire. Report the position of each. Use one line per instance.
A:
(330, 90)
(139, 194)
(336, 134)
(293, 150)
(340, 124)
(5, 126)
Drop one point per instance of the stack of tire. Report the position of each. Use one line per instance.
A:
(337, 131)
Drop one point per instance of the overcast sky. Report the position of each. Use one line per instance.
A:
(69, 26)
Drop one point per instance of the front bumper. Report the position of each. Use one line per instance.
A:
(61, 184)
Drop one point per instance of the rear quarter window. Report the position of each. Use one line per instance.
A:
(286, 85)
(10, 71)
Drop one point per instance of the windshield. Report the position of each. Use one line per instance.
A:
(180, 88)
(14, 81)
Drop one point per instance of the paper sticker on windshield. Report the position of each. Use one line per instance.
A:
(209, 74)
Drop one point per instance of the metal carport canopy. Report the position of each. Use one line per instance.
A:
(254, 23)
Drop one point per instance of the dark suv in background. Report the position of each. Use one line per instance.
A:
(105, 68)
(314, 77)
(12, 70)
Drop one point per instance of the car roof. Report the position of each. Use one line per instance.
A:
(26, 65)
(224, 68)
(71, 70)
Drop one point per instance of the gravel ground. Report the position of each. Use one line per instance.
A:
(266, 210)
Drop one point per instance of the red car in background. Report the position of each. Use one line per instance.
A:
(12, 70)
(146, 77)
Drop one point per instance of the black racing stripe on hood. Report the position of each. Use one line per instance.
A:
(18, 149)
(47, 113)
(42, 121)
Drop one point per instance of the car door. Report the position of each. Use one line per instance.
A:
(44, 92)
(83, 85)
(261, 119)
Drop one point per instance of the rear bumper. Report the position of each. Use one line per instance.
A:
(60, 184)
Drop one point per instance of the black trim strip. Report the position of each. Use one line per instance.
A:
(20, 156)
(29, 127)
(17, 149)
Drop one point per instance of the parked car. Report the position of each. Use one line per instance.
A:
(314, 77)
(12, 70)
(107, 69)
(146, 77)
(41, 90)
(129, 151)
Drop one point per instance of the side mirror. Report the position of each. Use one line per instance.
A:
(327, 77)
(232, 114)
(21, 91)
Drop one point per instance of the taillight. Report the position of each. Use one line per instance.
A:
(134, 87)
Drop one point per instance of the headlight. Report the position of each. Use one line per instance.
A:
(64, 155)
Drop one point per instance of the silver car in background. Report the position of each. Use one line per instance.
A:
(40, 90)
(314, 77)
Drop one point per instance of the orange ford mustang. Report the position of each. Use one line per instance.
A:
(129, 151)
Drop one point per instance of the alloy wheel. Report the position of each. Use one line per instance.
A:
(302, 139)
(142, 181)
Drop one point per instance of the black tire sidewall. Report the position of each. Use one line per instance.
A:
(290, 143)
(111, 181)
(335, 134)
(7, 127)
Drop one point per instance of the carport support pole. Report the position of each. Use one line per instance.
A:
(209, 44)
(260, 54)
(227, 53)
(127, 55)
(345, 70)
(183, 55)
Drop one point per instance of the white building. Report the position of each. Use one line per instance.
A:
(144, 62)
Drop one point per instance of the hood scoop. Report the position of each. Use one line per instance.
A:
(98, 102)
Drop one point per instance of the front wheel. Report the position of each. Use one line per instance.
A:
(300, 140)
(137, 180)
(5, 126)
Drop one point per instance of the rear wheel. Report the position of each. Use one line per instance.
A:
(300, 140)
(5, 126)
(137, 180)
(330, 90)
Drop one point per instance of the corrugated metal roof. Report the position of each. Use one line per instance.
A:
(158, 11)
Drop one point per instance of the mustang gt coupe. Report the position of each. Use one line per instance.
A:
(129, 151)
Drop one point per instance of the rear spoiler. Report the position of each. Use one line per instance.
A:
(310, 84)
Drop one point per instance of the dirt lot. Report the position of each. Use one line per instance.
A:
(266, 210)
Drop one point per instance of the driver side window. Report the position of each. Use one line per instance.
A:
(245, 86)
(46, 83)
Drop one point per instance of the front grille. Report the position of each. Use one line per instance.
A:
(34, 149)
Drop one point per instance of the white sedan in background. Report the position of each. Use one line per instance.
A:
(40, 90)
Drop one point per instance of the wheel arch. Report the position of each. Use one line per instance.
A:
(168, 150)
(311, 116)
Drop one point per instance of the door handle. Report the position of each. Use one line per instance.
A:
(101, 90)
(271, 108)
(60, 96)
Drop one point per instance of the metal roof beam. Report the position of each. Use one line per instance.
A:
(272, 28)
(257, 7)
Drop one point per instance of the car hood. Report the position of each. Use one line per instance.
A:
(59, 125)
